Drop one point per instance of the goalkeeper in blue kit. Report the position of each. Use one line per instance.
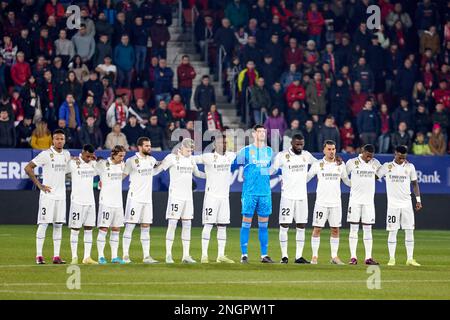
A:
(256, 194)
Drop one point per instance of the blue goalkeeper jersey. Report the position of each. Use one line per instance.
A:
(256, 162)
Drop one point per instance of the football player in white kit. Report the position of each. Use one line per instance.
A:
(82, 202)
(361, 208)
(180, 204)
(216, 204)
(139, 207)
(399, 175)
(328, 206)
(52, 198)
(294, 196)
(110, 210)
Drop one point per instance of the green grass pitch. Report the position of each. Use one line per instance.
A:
(20, 278)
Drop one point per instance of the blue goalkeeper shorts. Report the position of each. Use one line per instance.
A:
(262, 205)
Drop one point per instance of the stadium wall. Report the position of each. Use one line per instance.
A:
(20, 207)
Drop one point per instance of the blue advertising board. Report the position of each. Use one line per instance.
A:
(433, 172)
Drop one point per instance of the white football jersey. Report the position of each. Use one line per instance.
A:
(140, 170)
(111, 179)
(363, 179)
(181, 170)
(294, 170)
(83, 174)
(329, 175)
(54, 167)
(218, 172)
(398, 183)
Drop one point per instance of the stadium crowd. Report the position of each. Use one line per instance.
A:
(296, 66)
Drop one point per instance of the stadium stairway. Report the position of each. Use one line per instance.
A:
(181, 44)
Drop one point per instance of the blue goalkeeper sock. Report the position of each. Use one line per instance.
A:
(263, 233)
(245, 233)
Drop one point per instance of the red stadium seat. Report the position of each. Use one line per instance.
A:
(122, 91)
(141, 93)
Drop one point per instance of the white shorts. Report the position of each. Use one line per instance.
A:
(400, 218)
(109, 217)
(296, 210)
(215, 210)
(138, 212)
(323, 214)
(81, 215)
(180, 209)
(361, 212)
(51, 211)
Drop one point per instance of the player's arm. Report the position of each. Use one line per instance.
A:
(344, 177)
(381, 172)
(275, 165)
(239, 160)
(312, 171)
(163, 165)
(126, 172)
(29, 169)
(197, 172)
(416, 190)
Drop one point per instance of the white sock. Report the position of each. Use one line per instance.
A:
(300, 241)
(284, 241)
(409, 244)
(206, 235)
(334, 245)
(101, 239)
(40, 238)
(368, 241)
(353, 239)
(145, 241)
(186, 236)
(221, 240)
(126, 238)
(315, 244)
(392, 243)
(114, 243)
(87, 243)
(57, 236)
(170, 235)
(74, 242)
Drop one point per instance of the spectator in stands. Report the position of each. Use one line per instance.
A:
(310, 134)
(133, 131)
(277, 97)
(420, 147)
(269, 71)
(293, 54)
(295, 92)
(213, 119)
(401, 137)
(89, 109)
(251, 52)
(426, 15)
(24, 131)
(160, 36)
(288, 76)
(237, 13)
(385, 129)
(84, 44)
(329, 132)
(16, 106)
(339, 101)
(316, 23)
(405, 79)
(164, 115)
(116, 137)
(364, 75)
(139, 38)
(275, 122)
(64, 48)
(316, 96)
(186, 74)
(71, 135)
(422, 120)
(430, 40)
(260, 101)
(2, 76)
(59, 73)
(8, 50)
(141, 111)
(368, 124)
(176, 107)
(441, 117)
(156, 134)
(103, 29)
(103, 49)
(274, 48)
(121, 27)
(204, 95)
(7, 131)
(398, 14)
(81, 70)
(171, 127)
(124, 58)
(296, 112)
(117, 113)
(347, 137)
(403, 113)
(20, 71)
(290, 132)
(71, 86)
(93, 87)
(70, 112)
(88, 22)
(163, 82)
(108, 95)
(442, 94)
(41, 139)
(437, 142)
(357, 99)
(91, 134)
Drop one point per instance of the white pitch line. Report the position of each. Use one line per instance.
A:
(255, 282)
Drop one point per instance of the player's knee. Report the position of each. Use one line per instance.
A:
(88, 228)
(335, 232)
(76, 229)
(145, 225)
(316, 231)
(221, 225)
(115, 229)
(300, 225)
(103, 229)
(284, 225)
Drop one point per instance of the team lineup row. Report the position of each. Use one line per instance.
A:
(296, 167)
